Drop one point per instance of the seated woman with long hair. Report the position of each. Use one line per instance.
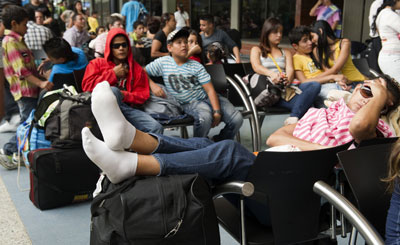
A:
(332, 55)
(268, 59)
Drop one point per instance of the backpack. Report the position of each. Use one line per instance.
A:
(30, 137)
(176, 209)
(263, 91)
(63, 113)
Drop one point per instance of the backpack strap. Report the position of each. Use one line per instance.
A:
(44, 103)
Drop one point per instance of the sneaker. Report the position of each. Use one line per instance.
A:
(15, 159)
(6, 161)
(291, 120)
(12, 125)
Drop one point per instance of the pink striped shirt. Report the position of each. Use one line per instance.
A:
(330, 127)
(18, 64)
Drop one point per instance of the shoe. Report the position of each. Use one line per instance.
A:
(291, 120)
(12, 125)
(6, 161)
(15, 159)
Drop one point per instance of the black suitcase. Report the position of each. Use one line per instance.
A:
(59, 177)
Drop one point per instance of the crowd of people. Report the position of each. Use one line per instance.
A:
(330, 101)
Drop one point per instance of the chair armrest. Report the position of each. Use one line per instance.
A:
(234, 187)
(358, 220)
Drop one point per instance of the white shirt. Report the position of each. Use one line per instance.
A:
(372, 12)
(181, 18)
(388, 24)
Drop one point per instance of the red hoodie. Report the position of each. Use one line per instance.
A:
(101, 69)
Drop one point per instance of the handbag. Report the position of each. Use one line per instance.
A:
(176, 209)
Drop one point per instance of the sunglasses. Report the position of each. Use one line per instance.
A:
(117, 45)
(366, 92)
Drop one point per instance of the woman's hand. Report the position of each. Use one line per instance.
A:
(275, 78)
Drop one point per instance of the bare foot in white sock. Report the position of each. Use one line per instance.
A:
(117, 132)
(117, 165)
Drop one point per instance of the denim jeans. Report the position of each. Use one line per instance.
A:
(25, 105)
(201, 111)
(393, 218)
(217, 162)
(10, 106)
(140, 119)
(300, 103)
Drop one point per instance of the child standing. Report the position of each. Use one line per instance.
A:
(20, 71)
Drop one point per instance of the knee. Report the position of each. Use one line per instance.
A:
(204, 118)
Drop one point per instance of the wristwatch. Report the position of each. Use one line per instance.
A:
(217, 111)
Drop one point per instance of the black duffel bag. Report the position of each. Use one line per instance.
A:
(174, 209)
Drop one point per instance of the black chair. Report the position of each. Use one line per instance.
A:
(368, 232)
(237, 71)
(78, 75)
(226, 86)
(284, 181)
(365, 167)
(60, 79)
(362, 65)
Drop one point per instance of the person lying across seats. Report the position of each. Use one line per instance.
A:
(163, 155)
(128, 80)
(156, 155)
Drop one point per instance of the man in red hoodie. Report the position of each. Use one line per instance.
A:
(128, 80)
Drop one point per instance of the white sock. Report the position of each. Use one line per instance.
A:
(117, 165)
(117, 132)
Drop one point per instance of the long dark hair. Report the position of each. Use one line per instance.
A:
(270, 25)
(164, 18)
(324, 52)
(74, 6)
(199, 42)
(385, 3)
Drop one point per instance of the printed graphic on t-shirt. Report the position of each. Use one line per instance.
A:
(311, 67)
(180, 83)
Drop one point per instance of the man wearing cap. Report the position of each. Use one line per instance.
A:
(190, 84)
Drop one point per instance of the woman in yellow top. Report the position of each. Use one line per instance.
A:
(333, 55)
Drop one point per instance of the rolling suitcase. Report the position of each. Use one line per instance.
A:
(59, 177)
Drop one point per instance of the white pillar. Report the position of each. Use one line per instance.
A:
(168, 6)
(235, 14)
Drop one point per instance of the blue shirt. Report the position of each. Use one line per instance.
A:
(131, 11)
(183, 82)
(70, 66)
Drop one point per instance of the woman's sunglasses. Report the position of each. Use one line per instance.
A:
(117, 45)
(366, 92)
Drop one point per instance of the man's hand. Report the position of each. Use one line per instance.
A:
(216, 119)
(46, 85)
(120, 70)
(378, 88)
(157, 90)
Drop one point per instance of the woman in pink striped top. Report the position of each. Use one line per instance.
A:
(341, 122)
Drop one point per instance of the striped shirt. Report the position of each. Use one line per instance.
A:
(183, 82)
(330, 127)
(18, 64)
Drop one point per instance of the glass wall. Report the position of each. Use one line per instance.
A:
(254, 13)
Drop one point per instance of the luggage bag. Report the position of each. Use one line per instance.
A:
(59, 177)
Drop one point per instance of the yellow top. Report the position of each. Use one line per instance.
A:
(93, 24)
(348, 70)
(306, 65)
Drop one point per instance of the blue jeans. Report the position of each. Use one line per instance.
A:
(140, 119)
(300, 103)
(218, 162)
(201, 111)
(25, 105)
(393, 218)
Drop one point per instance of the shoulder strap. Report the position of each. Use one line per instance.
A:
(44, 104)
(276, 64)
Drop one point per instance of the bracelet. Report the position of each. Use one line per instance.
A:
(217, 111)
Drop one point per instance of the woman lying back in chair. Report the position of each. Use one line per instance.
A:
(226, 160)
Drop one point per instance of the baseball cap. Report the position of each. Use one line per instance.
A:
(176, 34)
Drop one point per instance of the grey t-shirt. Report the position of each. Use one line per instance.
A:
(218, 36)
